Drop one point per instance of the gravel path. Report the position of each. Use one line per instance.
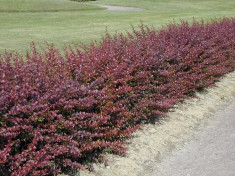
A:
(210, 153)
(171, 146)
(118, 8)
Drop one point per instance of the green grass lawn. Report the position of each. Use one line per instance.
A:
(64, 22)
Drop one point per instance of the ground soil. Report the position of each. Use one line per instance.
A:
(211, 152)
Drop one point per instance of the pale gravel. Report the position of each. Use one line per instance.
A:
(114, 8)
(153, 143)
(118, 8)
(211, 152)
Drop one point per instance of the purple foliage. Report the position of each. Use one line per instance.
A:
(56, 112)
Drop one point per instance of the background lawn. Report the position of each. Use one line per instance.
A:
(64, 22)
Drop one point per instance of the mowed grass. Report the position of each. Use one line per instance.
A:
(41, 6)
(65, 22)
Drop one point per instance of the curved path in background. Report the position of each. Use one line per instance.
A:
(197, 138)
(117, 8)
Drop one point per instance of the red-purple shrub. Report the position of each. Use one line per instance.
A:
(55, 113)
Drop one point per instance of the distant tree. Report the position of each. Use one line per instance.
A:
(82, 0)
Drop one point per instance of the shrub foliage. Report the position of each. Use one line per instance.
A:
(55, 113)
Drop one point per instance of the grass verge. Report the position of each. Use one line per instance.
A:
(65, 22)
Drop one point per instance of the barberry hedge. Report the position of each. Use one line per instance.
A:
(56, 113)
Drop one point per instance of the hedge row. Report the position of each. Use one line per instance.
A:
(56, 113)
